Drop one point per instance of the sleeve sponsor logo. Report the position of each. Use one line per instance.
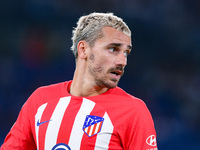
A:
(92, 125)
(151, 140)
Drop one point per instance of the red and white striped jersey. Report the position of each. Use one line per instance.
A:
(52, 119)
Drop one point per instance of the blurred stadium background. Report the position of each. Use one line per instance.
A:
(163, 69)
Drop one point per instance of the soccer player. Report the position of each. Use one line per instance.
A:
(89, 112)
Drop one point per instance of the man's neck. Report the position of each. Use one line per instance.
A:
(85, 90)
(83, 87)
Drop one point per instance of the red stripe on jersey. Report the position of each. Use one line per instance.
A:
(68, 121)
(43, 127)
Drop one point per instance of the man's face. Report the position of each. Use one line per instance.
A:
(108, 57)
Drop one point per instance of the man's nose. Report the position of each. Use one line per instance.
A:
(121, 60)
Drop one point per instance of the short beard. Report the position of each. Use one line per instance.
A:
(103, 82)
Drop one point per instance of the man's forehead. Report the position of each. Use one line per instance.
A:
(116, 38)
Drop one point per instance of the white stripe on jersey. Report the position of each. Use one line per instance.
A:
(103, 140)
(54, 124)
(77, 132)
(38, 117)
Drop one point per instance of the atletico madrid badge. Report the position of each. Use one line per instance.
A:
(92, 125)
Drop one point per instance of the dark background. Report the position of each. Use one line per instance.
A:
(163, 69)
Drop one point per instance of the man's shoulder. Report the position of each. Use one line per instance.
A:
(129, 98)
(53, 86)
(120, 92)
(56, 90)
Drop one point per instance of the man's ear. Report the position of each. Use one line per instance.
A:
(82, 49)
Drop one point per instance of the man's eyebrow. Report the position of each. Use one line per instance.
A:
(115, 44)
(119, 45)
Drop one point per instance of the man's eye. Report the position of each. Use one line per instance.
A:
(126, 53)
(112, 49)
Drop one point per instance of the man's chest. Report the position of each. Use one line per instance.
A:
(72, 124)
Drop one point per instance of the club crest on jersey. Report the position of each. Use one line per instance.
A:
(92, 125)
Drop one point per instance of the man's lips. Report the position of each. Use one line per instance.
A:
(116, 72)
